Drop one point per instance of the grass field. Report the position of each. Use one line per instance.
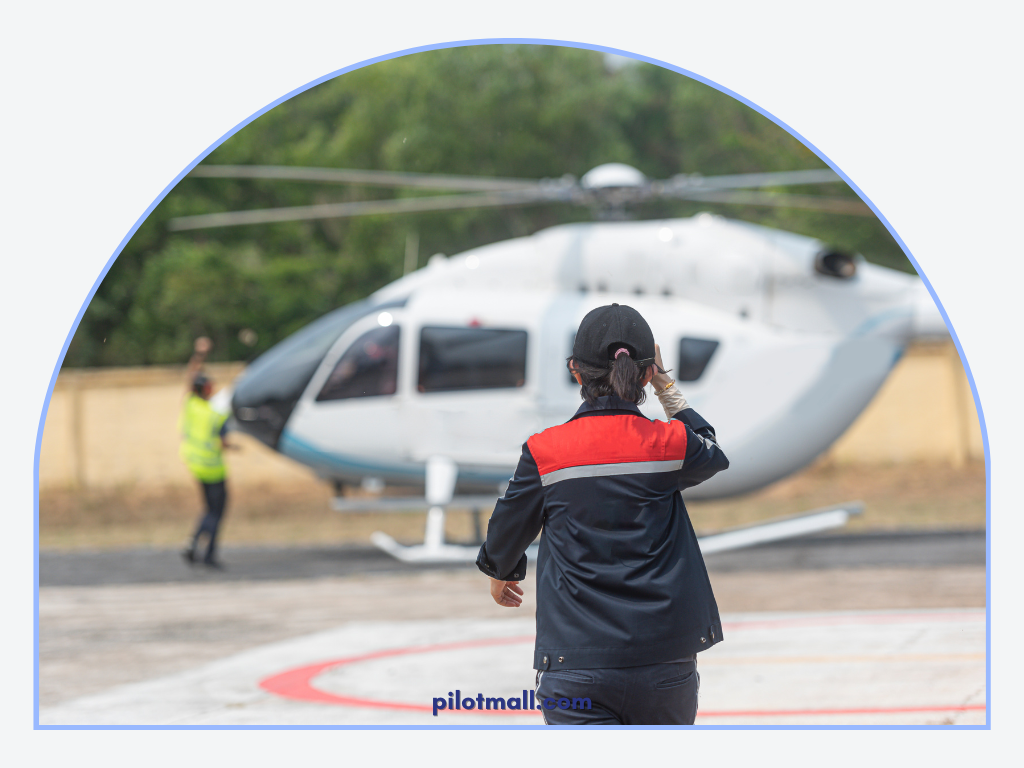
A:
(900, 496)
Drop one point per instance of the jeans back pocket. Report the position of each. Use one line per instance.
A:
(570, 675)
(676, 680)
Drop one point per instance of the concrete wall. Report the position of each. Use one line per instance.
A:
(118, 427)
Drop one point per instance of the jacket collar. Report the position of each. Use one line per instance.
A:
(608, 405)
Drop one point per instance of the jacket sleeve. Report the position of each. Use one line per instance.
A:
(517, 519)
(704, 459)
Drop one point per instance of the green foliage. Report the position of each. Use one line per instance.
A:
(518, 111)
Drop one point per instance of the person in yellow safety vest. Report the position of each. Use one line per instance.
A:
(203, 431)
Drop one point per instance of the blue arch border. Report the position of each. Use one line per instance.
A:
(520, 41)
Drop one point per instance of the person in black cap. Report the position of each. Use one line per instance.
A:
(624, 603)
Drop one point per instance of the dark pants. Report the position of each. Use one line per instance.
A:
(656, 694)
(216, 496)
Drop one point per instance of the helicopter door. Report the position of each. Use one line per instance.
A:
(354, 412)
(470, 401)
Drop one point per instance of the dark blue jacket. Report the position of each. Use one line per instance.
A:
(620, 578)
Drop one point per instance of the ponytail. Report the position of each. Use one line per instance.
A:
(623, 378)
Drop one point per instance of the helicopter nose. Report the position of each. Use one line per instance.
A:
(261, 416)
(269, 388)
(928, 324)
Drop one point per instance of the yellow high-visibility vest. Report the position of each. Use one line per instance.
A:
(201, 447)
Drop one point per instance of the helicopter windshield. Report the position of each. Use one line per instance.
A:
(453, 359)
(368, 368)
(268, 390)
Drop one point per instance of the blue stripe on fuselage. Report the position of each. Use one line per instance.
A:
(308, 454)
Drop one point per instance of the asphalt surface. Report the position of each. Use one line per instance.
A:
(900, 549)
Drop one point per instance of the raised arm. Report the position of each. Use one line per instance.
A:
(704, 457)
(201, 348)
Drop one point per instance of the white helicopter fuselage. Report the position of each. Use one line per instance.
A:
(778, 354)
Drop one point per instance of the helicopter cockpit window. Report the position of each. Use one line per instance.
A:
(694, 356)
(368, 368)
(453, 359)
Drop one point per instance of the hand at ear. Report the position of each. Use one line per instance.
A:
(659, 380)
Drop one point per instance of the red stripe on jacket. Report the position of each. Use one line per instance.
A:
(612, 439)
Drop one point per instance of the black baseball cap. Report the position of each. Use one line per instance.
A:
(607, 329)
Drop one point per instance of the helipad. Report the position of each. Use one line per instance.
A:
(863, 668)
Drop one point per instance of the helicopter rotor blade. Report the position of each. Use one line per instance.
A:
(494, 200)
(684, 184)
(372, 178)
(362, 208)
(843, 206)
(496, 192)
(455, 183)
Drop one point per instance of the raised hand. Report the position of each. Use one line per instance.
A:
(660, 380)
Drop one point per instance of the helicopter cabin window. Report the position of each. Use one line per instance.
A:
(368, 368)
(694, 356)
(453, 359)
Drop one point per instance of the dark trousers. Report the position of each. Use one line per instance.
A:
(215, 495)
(656, 694)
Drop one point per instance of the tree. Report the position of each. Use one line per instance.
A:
(522, 111)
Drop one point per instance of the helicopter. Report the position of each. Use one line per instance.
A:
(434, 381)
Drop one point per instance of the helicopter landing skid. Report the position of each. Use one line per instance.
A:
(432, 550)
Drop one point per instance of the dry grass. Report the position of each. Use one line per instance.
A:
(895, 496)
(292, 514)
(898, 496)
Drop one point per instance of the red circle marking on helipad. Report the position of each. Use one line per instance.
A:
(297, 683)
